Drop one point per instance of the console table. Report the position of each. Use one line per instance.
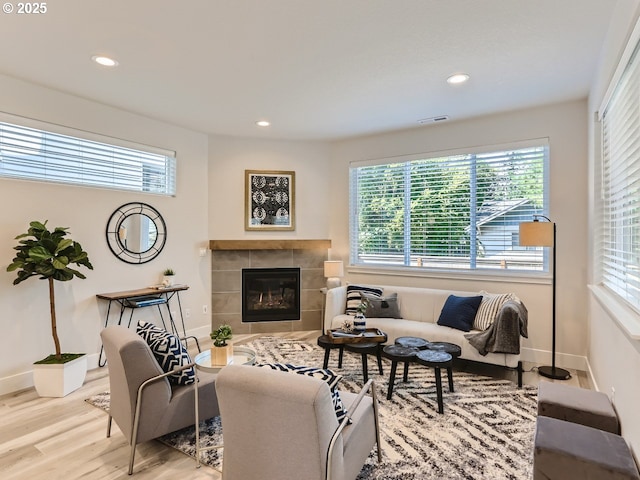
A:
(146, 297)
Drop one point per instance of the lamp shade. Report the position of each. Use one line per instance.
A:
(536, 234)
(333, 268)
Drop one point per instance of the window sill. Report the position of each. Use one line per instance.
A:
(623, 315)
(502, 277)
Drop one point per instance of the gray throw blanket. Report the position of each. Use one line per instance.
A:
(503, 336)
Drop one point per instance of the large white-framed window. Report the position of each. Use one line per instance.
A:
(34, 150)
(618, 205)
(455, 210)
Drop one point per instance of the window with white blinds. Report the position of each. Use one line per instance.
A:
(37, 154)
(619, 210)
(459, 211)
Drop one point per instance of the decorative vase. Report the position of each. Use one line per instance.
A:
(59, 379)
(359, 323)
(221, 356)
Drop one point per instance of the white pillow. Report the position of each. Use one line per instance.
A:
(489, 308)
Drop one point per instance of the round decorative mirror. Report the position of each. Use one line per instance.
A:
(136, 232)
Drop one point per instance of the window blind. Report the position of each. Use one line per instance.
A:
(457, 211)
(35, 154)
(620, 200)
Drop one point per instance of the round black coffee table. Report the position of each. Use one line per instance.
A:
(365, 349)
(435, 360)
(397, 353)
(451, 348)
(414, 342)
(325, 342)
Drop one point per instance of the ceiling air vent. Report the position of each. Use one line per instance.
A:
(439, 118)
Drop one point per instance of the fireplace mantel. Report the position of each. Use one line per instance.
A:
(269, 244)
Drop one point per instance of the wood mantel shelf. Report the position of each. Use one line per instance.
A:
(269, 244)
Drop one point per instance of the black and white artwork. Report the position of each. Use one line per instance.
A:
(269, 200)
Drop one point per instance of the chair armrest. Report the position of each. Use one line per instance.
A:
(369, 386)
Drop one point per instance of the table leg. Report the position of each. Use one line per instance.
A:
(405, 377)
(379, 357)
(365, 368)
(392, 377)
(340, 355)
(439, 390)
(325, 363)
(450, 375)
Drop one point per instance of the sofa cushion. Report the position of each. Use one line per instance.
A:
(459, 312)
(168, 351)
(354, 299)
(324, 374)
(489, 308)
(381, 307)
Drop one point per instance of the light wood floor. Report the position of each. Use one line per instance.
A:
(65, 438)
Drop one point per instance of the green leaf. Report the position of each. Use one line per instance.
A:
(38, 225)
(39, 253)
(60, 263)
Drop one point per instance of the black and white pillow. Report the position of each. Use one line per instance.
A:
(169, 352)
(489, 308)
(323, 374)
(354, 298)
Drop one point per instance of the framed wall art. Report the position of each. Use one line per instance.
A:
(269, 200)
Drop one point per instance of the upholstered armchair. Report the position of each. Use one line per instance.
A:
(283, 425)
(144, 404)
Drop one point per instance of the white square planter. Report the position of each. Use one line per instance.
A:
(59, 380)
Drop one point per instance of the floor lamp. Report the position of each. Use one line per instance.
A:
(543, 234)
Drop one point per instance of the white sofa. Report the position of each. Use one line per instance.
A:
(420, 309)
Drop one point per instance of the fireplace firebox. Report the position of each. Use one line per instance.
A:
(270, 294)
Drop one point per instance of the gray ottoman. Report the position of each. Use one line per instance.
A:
(565, 450)
(577, 405)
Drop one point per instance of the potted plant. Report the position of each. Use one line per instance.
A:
(221, 352)
(168, 276)
(49, 256)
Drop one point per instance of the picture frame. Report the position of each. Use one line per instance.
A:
(269, 200)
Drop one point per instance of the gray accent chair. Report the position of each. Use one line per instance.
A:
(144, 404)
(279, 425)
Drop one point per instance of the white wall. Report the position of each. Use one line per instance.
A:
(229, 157)
(24, 314)
(565, 125)
(614, 357)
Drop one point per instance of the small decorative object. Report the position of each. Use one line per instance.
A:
(347, 326)
(269, 200)
(49, 256)
(359, 320)
(168, 277)
(221, 352)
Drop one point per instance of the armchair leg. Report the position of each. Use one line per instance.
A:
(131, 457)
(109, 426)
(374, 396)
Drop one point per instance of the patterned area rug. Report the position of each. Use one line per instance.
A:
(486, 431)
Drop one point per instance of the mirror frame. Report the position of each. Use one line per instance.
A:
(117, 218)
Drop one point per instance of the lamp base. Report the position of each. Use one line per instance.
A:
(333, 282)
(555, 373)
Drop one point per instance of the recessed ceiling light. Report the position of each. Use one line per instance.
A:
(457, 78)
(263, 123)
(104, 61)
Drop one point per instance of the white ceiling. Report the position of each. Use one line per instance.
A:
(317, 69)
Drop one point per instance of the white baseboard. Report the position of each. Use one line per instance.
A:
(23, 380)
(564, 360)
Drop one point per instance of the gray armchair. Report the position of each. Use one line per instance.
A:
(283, 425)
(143, 402)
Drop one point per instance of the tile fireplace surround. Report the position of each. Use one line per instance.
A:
(229, 257)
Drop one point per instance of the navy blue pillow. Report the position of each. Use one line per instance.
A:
(459, 312)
